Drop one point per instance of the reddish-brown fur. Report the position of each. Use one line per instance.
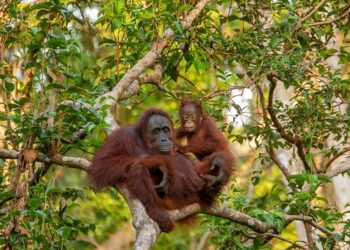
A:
(125, 159)
(207, 143)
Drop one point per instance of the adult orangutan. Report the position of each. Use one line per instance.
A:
(199, 135)
(142, 158)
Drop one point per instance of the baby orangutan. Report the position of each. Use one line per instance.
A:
(199, 136)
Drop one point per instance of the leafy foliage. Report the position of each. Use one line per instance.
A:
(58, 57)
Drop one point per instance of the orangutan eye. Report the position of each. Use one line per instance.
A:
(156, 130)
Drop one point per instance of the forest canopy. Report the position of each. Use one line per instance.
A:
(274, 75)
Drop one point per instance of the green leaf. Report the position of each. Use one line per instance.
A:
(324, 178)
(39, 36)
(299, 179)
(258, 241)
(309, 156)
(9, 86)
(200, 66)
(179, 26)
(148, 15)
(304, 196)
(44, 5)
(34, 203)
(101, 20)
(41, 13)
(118, 6)
(65, 231)
(55, 86)
(116, 23)
(40, 213)
(185, 7)
(3, 116)
(5, 195)
(77, 89)
(56, 41)
(279, 223)
(54, 190)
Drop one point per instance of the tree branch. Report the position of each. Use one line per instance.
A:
(344, 15)
(75, 104)
(271, 235)
(278, 125)
(327, 165)
(297, 141)
(147, 230)
(271, 151)
(313, 11)
(73, 162)
(83, 164)
(290, 218)
(337, 171)
(221, 92)
(240, 218)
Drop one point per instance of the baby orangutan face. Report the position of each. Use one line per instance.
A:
(190, 118)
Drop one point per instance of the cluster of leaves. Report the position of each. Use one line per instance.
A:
(44, 219)
(55, 52)
(107, 209)
(299, 59)
(43, 65)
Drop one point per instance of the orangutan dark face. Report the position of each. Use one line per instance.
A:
(159, 134)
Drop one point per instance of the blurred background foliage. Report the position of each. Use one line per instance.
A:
(57, 57)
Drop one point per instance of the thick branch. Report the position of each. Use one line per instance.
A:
(134, 87)
(224, 212)
(73, 162)
(147, 230)
(83, 164)
(240, 218)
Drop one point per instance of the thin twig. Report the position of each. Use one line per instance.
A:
(345, 14)
(338, 171)
(310, 220)
(271, 235)
(189, 81)
(223, 92)
(327, 165)
(313, 11)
